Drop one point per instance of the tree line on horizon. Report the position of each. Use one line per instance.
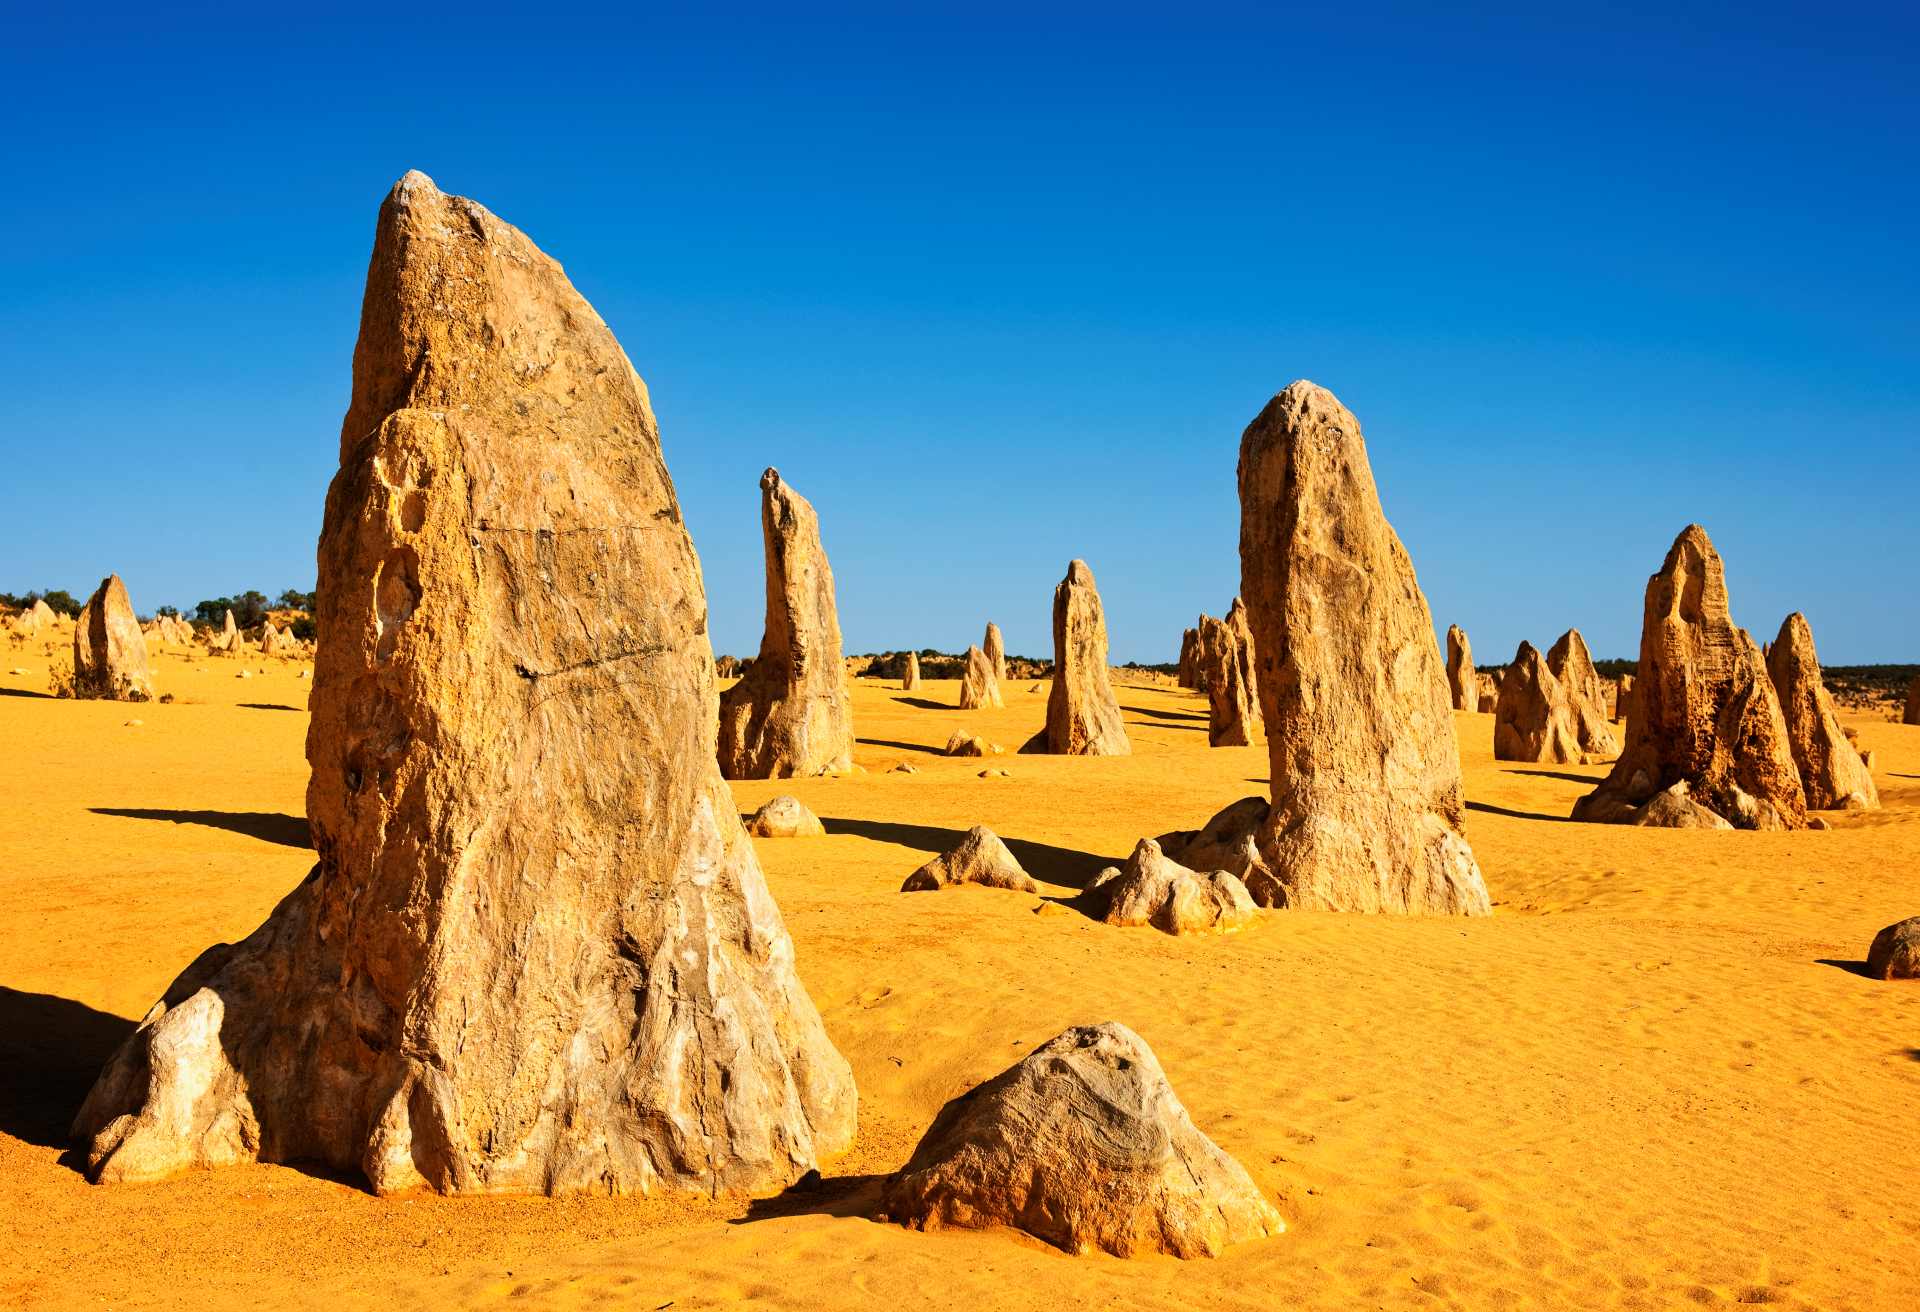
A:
(249, 608)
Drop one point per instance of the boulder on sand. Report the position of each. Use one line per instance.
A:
(1368, 811)
(978, 684)
(1572, 665)
(109, 651)
(1831, 771)
(536, 953)
(784, 817)
(1895, 953)
(1462, 686)
(1533, 720)
(1083, 718)
(978, 858)
(1153, 889)
(1084, 1145)
(790, 715)
(1230, 842)
(1704, 709)
(1674, 808)
(964, 742)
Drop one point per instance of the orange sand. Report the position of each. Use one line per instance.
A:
(1650, 1080)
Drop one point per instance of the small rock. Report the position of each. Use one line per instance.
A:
(1895, 953)
(134, 723)
(996, 774)
(1818, 822)
(965, 743)
(979, 858)
(905, 767)
(785, 817)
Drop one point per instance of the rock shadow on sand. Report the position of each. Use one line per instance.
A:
(1201, 716)
(1052, 865)
(51, 1051)
(268, 826)
(840, 1196)
(1490, 809)
(927, 748)
(923, 704)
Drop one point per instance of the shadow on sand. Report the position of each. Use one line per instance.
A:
(1491, 809)
(268, 706)
(924, 704)
(1166, 715)
(1054, 865)
(25, 692)
(813, 1195)
(1588, 780)
(51, 1049)
(899, 747)
(268, 826)
(1851, 967)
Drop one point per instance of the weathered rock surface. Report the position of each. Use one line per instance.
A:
(789, 716)
(1704, 709)
(1895, 953)
(1082, 1144)
(996, 649)
(1674, 808)
(536, 953)
(784, 817)
(1230, 842)
(910, 681)
(1831, 771)
(1189, 671)
(1622, 697)
(1489, 684)
(1226, 666)
(1572, 665)
(979, 858)
(964, 742)
(1083, 718)
(1151, 888)
(1368, 811)
(109, 651)
(1462, 684)
(34, 620)
(1533, 720)
(979, 686)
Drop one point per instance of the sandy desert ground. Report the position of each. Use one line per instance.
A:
(1653, 1079)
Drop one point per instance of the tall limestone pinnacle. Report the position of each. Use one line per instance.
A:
(1083, 716)
(536, 953)
(790, 714)
(1368, 810)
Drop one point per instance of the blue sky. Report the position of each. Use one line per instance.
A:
(997, 288)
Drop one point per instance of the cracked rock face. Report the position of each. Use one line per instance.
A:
(1704, 709)
(1082, 1144)
(1368, 811)
(1463, 686)
(1083, 718)
(109, 651)
(1533, 720)
(979, 685)
(790, 715)
(1831, 771)
(1572, 665)
(536, 953)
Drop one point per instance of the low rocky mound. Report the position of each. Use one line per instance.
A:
(784, 817)
(978, 858)
(1151, 889)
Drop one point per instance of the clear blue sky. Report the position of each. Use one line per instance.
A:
(997, 287)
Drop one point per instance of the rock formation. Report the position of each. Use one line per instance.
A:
(1083, 719)
(790, 715)
(1230, 842)
(1704, 710)
(1489, 685)
(1153, 889)
(1226, 672)
(1534, 718)
(996, 649)
(1084, 1145)
(979, 858)
(910, 681)
(1831, 771)
(228, 639)
(784, 817)
(1189, 673)
(536, 952)
(1624, 686)
(1674, 808)
(1462, 685)
(109, 651)
(1895, 953)
(1368, 811)
(978, 684)
(34, 620)
(1572, 665)
(965, 742)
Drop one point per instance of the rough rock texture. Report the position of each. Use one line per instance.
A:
(784, 817)
(1189, 671)
(1462, 685)
(1533, 720)
(1895, 953)
(1368, 811)
(536, 953)
(109, 651)
(979, 686)
(790, 715)
(1704, 709)
(1674, 808)
(1572, 665)
(1489, 683)
(1621, 697)
(1083, 719)
(996, 649)
(910, 680)
(979, 858)
(1230, 842)
(964, 742)
(1153, 889)
(1831, 771)
(1082, 1144)
(1226, 665)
